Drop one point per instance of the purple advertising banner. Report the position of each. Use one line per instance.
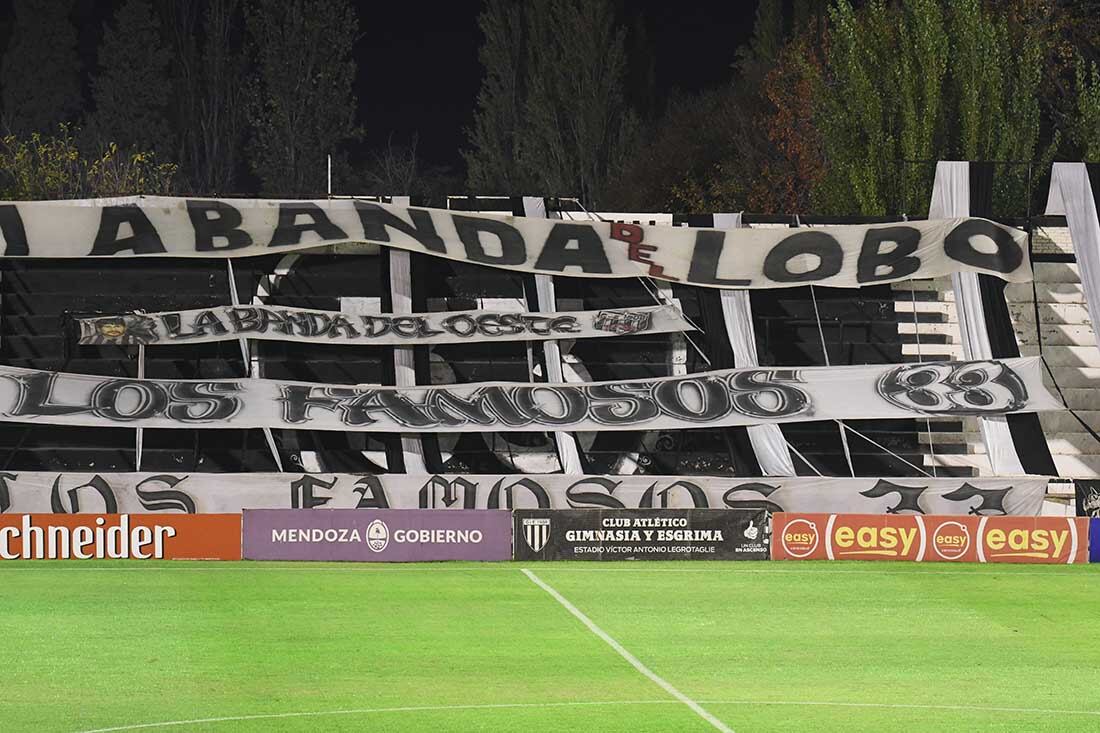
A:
(377, 535)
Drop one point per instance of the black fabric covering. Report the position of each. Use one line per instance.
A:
(740, 449)
(1026, 430)
(1094, 182)
(395, 457)
(736, 439)
(720, 353)
(538, 353)
(422, 363)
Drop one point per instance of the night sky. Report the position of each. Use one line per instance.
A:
(419, 72)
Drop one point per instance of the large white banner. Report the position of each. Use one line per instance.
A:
(271, 323)
(839, 256)
(136, 493)
(706, 399)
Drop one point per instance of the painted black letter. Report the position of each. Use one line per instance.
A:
(288, 231)
(827, 249)
(143, 241)
(897, 261)
(217, 219)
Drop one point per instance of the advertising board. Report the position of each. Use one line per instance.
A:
(928, 538)
(641, 534)
(384, 535)
(120, 536)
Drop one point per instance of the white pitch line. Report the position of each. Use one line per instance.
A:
(369, 711)
(520, 705)
(634, 661)
(906, 706)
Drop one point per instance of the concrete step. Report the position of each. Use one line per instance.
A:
(1045, 272)
(1065, 444)
(1066, 356)
(1056, 272)
(1059, 422)
(1048, 292)
(1049, 240)
(978, 463)
(1075, 314)
(933, 352)
(1073, 444)
(1075, 376)
(1083, 466)
(1057, 335)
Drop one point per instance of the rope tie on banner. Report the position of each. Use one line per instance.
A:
(920, 359)
(803, 458)
(825, 354)
(268, 436)
(655, 292)
(139, 438)
(658, 298)
(884, 448)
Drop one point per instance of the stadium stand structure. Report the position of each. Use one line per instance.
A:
(1059, 328)
(794, 327)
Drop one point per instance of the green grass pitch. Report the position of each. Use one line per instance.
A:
(480, 647)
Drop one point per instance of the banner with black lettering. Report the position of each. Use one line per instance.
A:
(134, 493)
(229, 323)
(705, 399)
(641, 534)
(838, 256)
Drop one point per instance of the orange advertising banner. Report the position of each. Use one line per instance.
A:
(120, 536)
(923, 538)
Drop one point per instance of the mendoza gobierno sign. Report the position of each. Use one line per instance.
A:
(838, 256)
(392, 535)
(641, 534)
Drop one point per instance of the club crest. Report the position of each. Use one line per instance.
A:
(623, 322)
(536, 532)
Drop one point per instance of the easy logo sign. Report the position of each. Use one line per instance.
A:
(928, 538)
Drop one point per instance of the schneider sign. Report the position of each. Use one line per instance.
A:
(120, 536)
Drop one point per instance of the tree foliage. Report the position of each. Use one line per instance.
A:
(712, 150)
(303, 107)
(131, 91)
(905, 83)
(579, 127)
(209, 78)
(552, 112)
(40, 71)
(843, 108)
(41, 166)
(494, 160)
(1086, 130)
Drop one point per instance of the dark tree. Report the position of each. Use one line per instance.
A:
(40, 72)
(494, 159)
(303, 106)
(578, 123)
(209, 78)
(132, 89)
(552, 115)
